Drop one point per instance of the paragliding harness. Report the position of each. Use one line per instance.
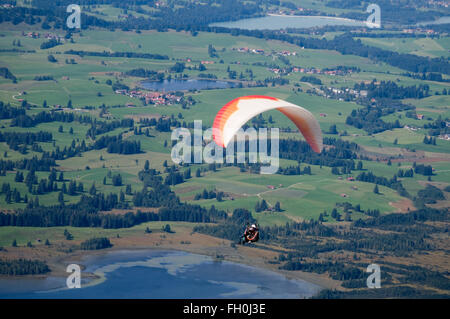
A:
(251, 235)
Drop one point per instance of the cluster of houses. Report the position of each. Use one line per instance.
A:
(289, 12)
(189, 60)
(410, 127)
(419, 30)
(156, 98)
(419, 116)
(248, 50)
(350, 179)
(295, 69)
(37, 35)
(31, 34)
(340, 94)
(439, 3)
(355, 93)
(286, 53)
(274, 187)
(261, 51)
(445, 137)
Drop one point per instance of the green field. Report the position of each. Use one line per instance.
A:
(423, 46)
(301, 197)
(23, 235)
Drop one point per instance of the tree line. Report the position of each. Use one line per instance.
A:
(115, 144)
(135, 55)
(18, 141)
(391, 90)
(342, 153)
(369, 119)
(96, 243)
(19, 267)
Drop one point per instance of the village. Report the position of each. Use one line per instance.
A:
(150, 97)
(47, 35)
(312, 70)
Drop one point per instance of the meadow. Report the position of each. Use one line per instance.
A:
(433, 48)
(301, 197)
(23, 235)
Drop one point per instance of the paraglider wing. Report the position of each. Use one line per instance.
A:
(237, 112)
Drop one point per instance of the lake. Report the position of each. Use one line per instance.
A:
(185, 85)
(441, 20)
(276, 22)
(163, 274)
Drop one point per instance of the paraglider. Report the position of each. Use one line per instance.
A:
(237, 112)
(233, 115)
(251, 235)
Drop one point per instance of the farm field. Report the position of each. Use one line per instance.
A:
(301, 197)
(84, 84)
(24, 235)
(423, 47)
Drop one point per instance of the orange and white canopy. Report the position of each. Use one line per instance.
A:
(233, 115)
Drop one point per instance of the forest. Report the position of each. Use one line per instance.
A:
(18, 267)
(95, 243)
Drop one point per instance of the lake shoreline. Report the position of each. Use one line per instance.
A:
(320, 17)
(58, 256)
(275, 21)
(312, 278)
(58, 264)
(186, 85)
(113, 270)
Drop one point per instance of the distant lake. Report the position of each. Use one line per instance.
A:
(185, 85)
(441, 20)
(276, 22)
(163, 274)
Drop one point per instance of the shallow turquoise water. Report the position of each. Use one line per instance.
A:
(283, 22)
(185, 85)
(163, 274)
